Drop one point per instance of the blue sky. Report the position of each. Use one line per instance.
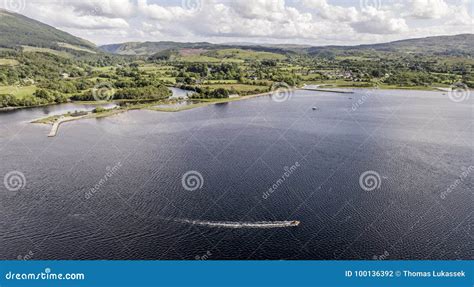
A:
(312, 22)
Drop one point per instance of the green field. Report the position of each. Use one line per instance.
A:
(216, 82)
(206, 59)
(238, 87)
(248, 55)
(354, 58)
(8, 62)
(104, 69)
(46, 50)
(168, 79)
(77, 48)
(18, 91)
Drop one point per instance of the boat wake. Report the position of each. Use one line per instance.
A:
(257, 224)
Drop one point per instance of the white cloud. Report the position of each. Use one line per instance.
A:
(261, 18)
(332, 12)
(157, 12)
(433, 9)
(316, 22)
(379, 22)
(106, 8)
(89, 14)
(460, 16)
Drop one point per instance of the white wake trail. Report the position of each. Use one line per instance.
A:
(229, 224)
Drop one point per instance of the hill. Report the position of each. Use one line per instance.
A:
(17, 30)
(458, 45)
(150, 48)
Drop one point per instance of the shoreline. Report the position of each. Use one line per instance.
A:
(57, 120)
(329, 86)
(208, 102)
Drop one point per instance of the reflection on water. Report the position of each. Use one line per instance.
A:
(29, 114)
(176, 105)
(112, 188)
(180, 93)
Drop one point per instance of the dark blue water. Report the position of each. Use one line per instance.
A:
(417, 143)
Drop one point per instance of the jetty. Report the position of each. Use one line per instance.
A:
(58, 122)
(328, 90)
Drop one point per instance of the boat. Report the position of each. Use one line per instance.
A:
(315, 108)
(295, 223)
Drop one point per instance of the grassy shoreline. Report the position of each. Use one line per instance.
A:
(90, 115)
(325, 85)
(145, 106)
(153, 106)
(207, 102)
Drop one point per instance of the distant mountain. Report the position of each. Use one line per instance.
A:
(458, 45)
(150, 48)
(17, 30)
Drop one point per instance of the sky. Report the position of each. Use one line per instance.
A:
(309, 22)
